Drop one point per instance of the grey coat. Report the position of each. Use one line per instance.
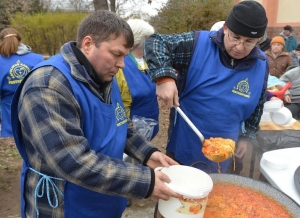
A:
(293, 76)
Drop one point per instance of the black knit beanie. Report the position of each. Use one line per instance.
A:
(248, 18)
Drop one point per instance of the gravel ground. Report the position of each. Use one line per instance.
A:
(140, 209)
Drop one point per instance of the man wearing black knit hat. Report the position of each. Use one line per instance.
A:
(290, 40)
(221, 83)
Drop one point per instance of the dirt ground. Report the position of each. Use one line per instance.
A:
(10, 166)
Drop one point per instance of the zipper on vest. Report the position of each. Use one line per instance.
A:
(232, 62)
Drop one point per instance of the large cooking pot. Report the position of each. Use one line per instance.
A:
(262, 187)
(256, 185)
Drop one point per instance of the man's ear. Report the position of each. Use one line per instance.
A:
(225, 28)
(259, 39)
(86, 44)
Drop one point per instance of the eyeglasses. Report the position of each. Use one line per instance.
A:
(236, 41)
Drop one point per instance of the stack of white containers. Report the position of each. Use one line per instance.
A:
(276, 112)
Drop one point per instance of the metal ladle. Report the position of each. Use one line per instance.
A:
(215, 157)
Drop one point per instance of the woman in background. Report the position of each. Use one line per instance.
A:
(137, 90)
(16, 61)
(279, 57)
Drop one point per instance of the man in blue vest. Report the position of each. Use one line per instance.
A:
(221, 82)
(71, 129)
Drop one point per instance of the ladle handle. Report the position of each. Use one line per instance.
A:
(190, 123)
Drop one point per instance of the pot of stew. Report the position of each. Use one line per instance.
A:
(234, 195)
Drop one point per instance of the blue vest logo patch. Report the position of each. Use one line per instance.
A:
(242, 89)
(17, 72)
(120, 115)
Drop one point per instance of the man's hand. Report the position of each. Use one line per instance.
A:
(241, 148)
(161, 191)
(287, 99)
(158, 159)
(168, 93)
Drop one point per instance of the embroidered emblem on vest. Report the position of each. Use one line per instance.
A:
(17, 72)
(242, 88)
(120, 115)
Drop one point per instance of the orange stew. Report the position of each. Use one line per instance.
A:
(218, 149)
(231, 201)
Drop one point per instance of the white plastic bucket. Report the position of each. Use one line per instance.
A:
(194, 185)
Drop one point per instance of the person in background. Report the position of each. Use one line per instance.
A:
(296, 55)
(71, 130)
(279, 58)
(264, 43)
(218, 25)
(16, 60)
(221, 82)
(137, 89)
(292, 95)
(290, 40)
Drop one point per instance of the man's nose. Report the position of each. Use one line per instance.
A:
(120, 63)
(240, 46)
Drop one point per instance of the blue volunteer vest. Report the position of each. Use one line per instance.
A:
(13, 70)
(105, 127)
(143, 93)
(216, 99)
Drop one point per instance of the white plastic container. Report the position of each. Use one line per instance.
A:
(272, 106)
(265, 117)
(282, 116)
(276, 161)
(194, 185)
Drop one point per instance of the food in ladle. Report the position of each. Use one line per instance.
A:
(218, 149)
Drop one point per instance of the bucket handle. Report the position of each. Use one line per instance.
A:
(192, 165)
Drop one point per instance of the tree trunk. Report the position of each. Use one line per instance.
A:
(100, 4)
(113, 5)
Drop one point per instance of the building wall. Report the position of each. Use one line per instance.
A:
(281, 13)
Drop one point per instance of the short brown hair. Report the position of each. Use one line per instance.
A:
(102, 25)
(9, 41)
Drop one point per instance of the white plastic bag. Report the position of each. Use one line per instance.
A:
(144, 126)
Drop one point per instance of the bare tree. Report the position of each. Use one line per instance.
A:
(80, 5)
(115, 5)
(100, 4)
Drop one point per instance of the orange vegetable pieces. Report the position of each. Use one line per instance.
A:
(195, 208)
